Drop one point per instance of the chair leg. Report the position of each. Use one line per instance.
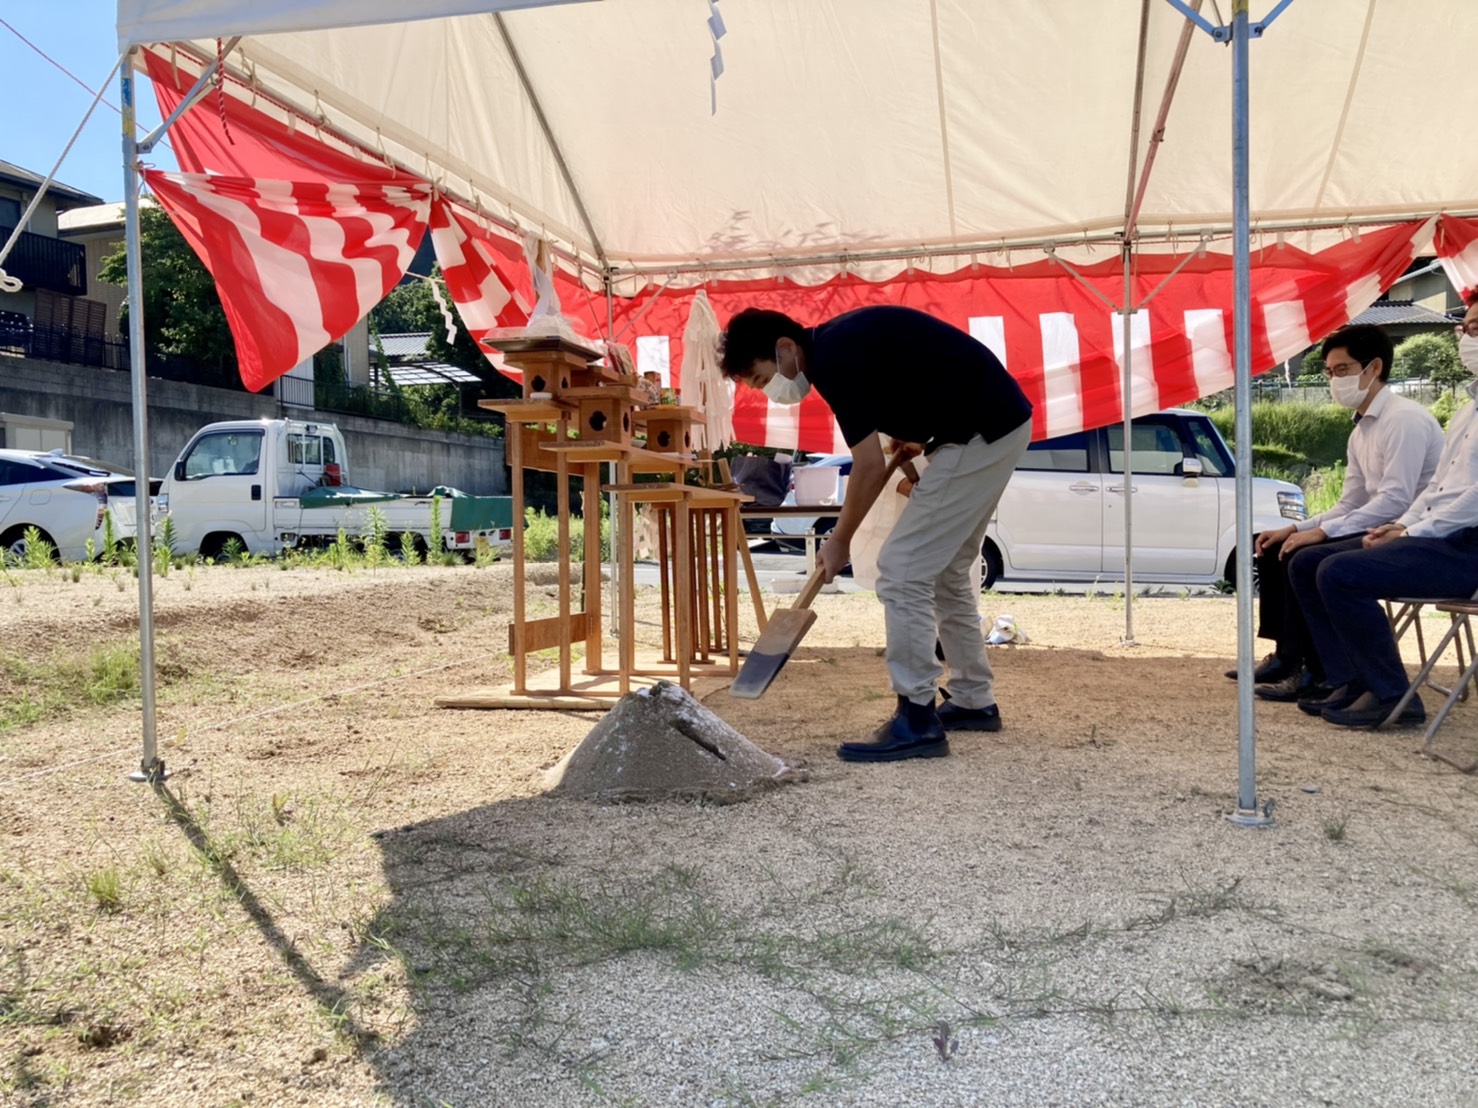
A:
(1447, 706)
(1426, 671)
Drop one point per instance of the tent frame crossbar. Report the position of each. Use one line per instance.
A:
(554, 147)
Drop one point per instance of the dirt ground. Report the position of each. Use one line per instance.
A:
(345, 895)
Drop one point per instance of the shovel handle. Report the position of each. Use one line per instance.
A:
(813, 583)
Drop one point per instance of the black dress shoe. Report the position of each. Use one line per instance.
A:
(1271, 668)
(1293, 687)
(955, 718)
(914, 732)
(1337, 697)
(1371, 711)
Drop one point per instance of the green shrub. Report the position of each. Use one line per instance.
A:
(1429, 357)
(1445, 405)
(541, 537)
(1322, 488)
(1316, 433)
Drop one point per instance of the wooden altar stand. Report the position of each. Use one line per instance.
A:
(576, 416)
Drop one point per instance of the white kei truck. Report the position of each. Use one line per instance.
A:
(277, 484)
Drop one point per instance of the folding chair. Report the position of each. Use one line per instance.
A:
(1462, 612)
(1406, 616)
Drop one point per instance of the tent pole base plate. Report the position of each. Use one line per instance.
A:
(151, 775)
(1249, 817)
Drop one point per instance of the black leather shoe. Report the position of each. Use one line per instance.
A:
(956, 718)
(1370, 711)
(1271, 668)
(1340, 697)
(1293, 687)
(913, 732)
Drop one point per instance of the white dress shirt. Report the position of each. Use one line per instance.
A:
(1450, 502)
(1393, 452)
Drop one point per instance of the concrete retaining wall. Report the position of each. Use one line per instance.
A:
(98, 403)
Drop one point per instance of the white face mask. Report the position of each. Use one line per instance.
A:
(786, 390)
(1467, 352)
(1347, 391)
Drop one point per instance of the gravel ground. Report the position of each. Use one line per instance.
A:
(347, 896)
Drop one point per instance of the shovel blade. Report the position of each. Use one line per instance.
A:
(771, 651)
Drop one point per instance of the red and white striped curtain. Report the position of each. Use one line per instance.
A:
(296, 264)
(1457, 249)
(1059, 340)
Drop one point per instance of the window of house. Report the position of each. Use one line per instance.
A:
(10, 212)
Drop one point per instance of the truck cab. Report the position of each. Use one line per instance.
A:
(225, 480)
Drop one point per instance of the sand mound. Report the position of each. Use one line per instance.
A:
(661, 744)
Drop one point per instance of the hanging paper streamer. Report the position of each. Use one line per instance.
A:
(703, 384)
(446, 312)
(716, 31)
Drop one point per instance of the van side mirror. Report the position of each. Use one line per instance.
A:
(179, 471)
(1190, 468)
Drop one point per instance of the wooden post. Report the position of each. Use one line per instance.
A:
(700, 584)
(594, 632)
(514, 443)
(683, 559)
(715, 548)
(732, 525)
(562, 506)
(664, 567)
(626, 537)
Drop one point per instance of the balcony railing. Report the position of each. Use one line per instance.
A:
(46, 263)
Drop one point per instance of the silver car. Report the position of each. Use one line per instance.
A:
(64, 497)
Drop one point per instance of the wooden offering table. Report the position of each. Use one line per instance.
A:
(576, 416)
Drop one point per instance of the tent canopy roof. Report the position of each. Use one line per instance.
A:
(871, 128)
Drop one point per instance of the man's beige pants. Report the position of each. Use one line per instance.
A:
(924, 570)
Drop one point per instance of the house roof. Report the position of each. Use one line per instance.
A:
(409, 344)
(97, 217)
(1385, 313)
(63, 195)
(431, 373)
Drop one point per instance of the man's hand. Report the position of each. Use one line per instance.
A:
(1266, 539)
(835, 554)
(906, 450)
(1384, 533)
(1300, 539)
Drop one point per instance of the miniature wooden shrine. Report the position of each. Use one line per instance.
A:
(575, 416)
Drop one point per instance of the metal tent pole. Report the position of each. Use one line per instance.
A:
(151, 767)
(1128, 403)
(1239, 33)
(1247, 812)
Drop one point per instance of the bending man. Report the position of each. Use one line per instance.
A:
(905, 374)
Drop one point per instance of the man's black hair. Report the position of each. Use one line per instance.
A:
(1365, 342)
(751, 338)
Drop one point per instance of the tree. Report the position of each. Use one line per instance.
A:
(182, 312)
(1430, 357)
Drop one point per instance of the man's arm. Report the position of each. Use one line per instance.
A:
(869, 471)
(1407, 449)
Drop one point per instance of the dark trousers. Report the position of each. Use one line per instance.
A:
(1340, 586)
(1279, 616)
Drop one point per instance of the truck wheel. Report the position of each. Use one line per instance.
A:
(213, 546)
(13, 545)
(993, 566)
(395, 543)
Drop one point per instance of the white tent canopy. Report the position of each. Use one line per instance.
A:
(870, 127)
(657, 140)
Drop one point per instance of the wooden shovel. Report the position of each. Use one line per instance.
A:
(786, 629)
(784, 632)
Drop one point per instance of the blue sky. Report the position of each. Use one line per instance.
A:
(43, 106)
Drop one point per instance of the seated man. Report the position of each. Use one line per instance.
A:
(1429, 553)
(1393, 451)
